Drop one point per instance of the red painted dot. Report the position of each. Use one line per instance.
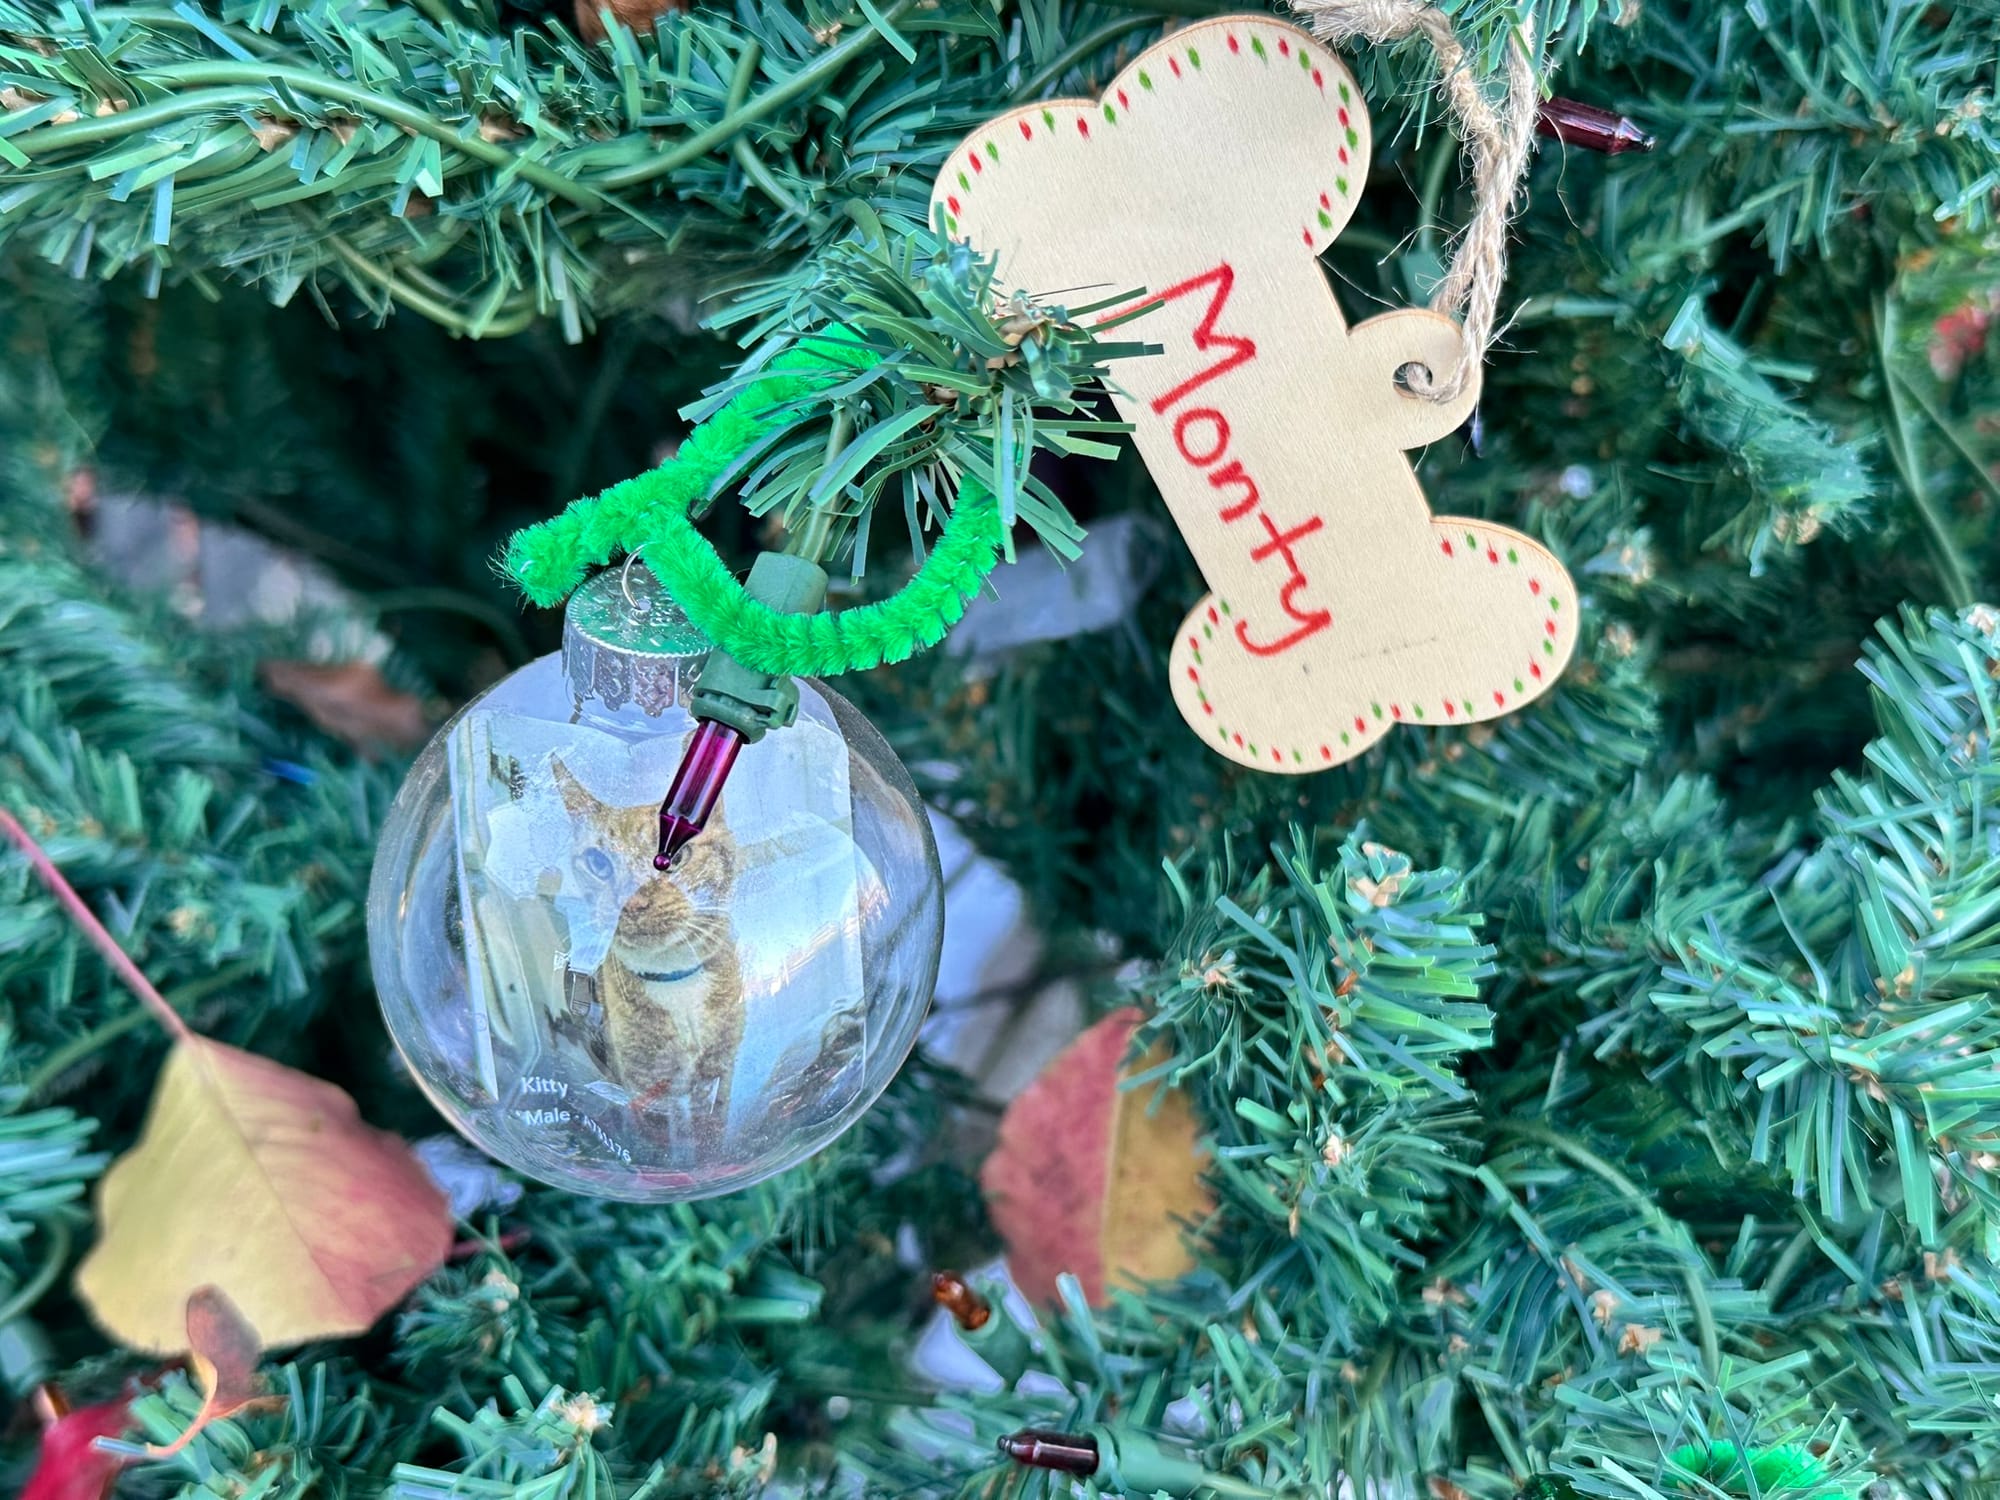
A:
(1213, 617)
(1360, 724)
(1026, 133)
(1324, 201)
(1499, 698)
(1175, 64)
(1082, 127)
(1326, 752)
(1237, 737)
(1308, 236)
(1232, 45)
(1534, 585)
(1208, 708)
(1318, 82)
(976, 164)
(1193, 675)
(1492, 556)
(1343, 116)
(1277, 757)
(1123, 102)
(952, 204)
(1449, 711)
(1284, 47)
(1535, 670)
(1549, 626)
(1447, 549)
(1343, 156)
(1396, 710)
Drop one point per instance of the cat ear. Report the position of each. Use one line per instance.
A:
(575, 798)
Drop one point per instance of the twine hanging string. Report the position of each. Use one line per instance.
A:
(1497, 139)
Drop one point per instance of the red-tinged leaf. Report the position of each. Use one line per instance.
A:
(222, 1350)
(264, 1182)
(1092, 1179)
(71, 1467)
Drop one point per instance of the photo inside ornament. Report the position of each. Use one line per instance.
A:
(630, 1032)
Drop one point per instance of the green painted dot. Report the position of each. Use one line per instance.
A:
(992, 152)
(962, 182)
(1049, 118)
(1472, 541)
(1554, 602)
(1343, 737)
(1344, 95)
(1513, 556)
(1197, 658)
(1341, 183)
(1517, 686)
(1299, 756)
(1353, 136)
(1221, 733)
(1253, 749)
(1468, 705)
(1110, 114)
(1548, 648)
(1325, 219)
(1305, 61)
(1419, 710)
(1145, 79)
(1378, 709)
(1257, 46)
(1208, 632)
(1194, 57)
(950, 224)
(1225, 605)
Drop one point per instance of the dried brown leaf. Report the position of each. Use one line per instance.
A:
(350, 701)
(222, 1351)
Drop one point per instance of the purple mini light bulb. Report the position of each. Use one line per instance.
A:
(734, 705)
(696, 787)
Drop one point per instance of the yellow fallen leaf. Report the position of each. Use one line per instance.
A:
(256, 1179)
(1092, 1179)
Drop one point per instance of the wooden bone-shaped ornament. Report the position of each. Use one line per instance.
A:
(1212, 173)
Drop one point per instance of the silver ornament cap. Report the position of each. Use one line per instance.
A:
(625, 641)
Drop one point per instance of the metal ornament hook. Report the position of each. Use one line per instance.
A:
(637, 606)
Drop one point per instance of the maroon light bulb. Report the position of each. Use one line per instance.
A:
(696, 787)
(1064, 1452)
(1575, 123)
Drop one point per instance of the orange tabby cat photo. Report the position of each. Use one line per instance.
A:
(670, 986)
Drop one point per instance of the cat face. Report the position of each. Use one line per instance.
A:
(685, 908)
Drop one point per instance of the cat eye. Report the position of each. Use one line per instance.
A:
(597, 864)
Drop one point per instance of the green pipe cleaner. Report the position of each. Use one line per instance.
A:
(651, 510)
(1783, 1470)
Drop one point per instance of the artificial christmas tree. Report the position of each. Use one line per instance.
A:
(1598, 1101)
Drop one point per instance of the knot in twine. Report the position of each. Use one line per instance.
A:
(1497, 139)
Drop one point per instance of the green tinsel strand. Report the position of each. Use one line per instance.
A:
(651, 510)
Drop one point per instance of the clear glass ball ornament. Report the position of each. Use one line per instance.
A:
(621, 1031)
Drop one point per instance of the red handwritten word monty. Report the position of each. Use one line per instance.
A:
(1201, 435)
